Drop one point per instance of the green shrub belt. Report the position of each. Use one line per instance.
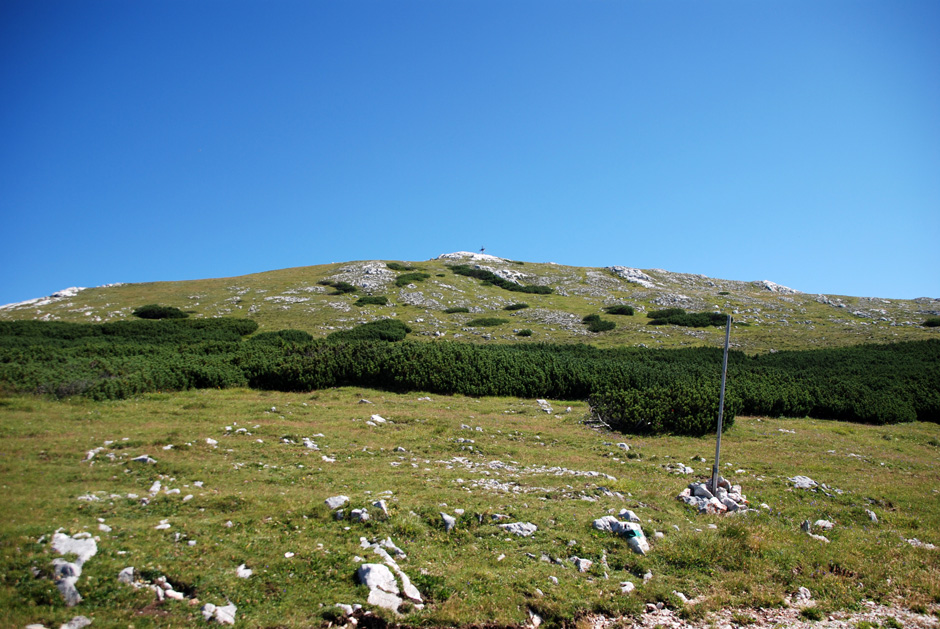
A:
(636, 389)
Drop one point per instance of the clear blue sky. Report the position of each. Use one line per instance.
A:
(790, 140)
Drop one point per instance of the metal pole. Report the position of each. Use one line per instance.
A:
(721, 405)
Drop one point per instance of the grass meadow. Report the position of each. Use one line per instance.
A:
(261, 499)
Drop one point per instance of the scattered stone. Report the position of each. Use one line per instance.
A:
(628, 515)
(164, 524)
(359, 515)
(378, 419)
(626, 587)
(376, 575)
(523, 529)
(544, 406)
(126, 576)
(382, 506)
(224, 615)
(871, 516)
(682, 597)
(336, 502)
(243, 572)
(143, 458)
(623, 446)
(534, 620)
(449, 522)
(78, 622)
(211, 442)
(629, 530)
(802, 482)
(916, 543)
(364, 401)
(583, 565)
(346, 609)
(807, 528)
(826, 525)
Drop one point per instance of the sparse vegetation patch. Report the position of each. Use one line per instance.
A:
(491, 278)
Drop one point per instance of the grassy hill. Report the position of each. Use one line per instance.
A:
(767, 316)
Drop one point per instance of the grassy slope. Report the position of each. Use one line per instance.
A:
(273, 494)
(773, 320)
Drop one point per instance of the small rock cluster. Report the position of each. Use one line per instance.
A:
(163, 589)
(66, 573)
(380, 578)
(726, 498)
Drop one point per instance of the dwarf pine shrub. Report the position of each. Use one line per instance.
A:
(156, 311)
(410, 278)
(596, 324)
(516, 307)
(484, 322)
(372, 300)
(932, 322)
(398, 266)
(456, 309)
(619, 310)
(524, 332)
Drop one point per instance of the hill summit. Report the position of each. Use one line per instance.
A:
(524, 301)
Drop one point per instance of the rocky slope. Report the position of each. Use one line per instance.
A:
(767, 316)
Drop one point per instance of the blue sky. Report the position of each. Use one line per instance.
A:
(796, 141)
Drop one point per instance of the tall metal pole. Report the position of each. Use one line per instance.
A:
(721, 405)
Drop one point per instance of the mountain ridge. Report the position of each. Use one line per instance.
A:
(768, 316)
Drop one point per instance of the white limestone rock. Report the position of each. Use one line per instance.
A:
(336, 502)
(523, 529)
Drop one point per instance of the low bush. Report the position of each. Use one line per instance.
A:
(692, 319)
(372, 300)
(381, 330)
(156, 311)
(343, 287)
(525, 332)
(932, 322)
(516, 307)
(397, 266)
(410, 278)
(456, 309)
(596, 324)
(619, 310)
(484, 322)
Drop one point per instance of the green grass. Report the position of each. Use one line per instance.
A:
(273, 494)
